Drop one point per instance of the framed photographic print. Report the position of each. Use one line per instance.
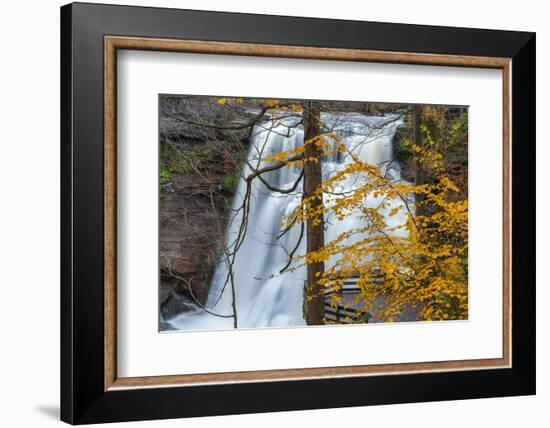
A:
(265, 213)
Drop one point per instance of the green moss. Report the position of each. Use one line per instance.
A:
(230, 181)
(203, 156)
(165, 176)
(179, 163)
(173, 161)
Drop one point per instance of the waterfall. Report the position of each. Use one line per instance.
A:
(264, 297)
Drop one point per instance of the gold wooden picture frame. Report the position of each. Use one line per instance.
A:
(114, 43)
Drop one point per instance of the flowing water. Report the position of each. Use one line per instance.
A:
(264, 297)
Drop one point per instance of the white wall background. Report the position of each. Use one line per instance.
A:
(29, 218)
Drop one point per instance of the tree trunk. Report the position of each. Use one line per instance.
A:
(314, 295)
(419, 173)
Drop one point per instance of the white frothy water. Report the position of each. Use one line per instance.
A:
(264, 297)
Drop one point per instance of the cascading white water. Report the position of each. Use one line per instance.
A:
(264, 297)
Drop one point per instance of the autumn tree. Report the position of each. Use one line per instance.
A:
(420, 262)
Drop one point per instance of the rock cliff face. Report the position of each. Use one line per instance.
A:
(190, 226)
(194, 212)
(199, 169)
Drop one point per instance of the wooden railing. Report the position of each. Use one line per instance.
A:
(338, 314)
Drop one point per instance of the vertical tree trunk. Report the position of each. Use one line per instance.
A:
(315, 303)
(419, 173)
